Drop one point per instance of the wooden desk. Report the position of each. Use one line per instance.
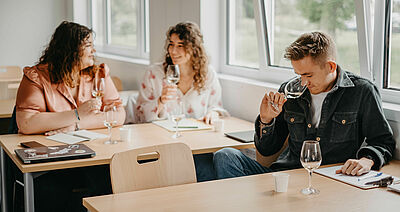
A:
(143, 135)
(6, 108)
(253, 193)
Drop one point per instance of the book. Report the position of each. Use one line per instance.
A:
(76, 136)
(187, 124)
(358, 181)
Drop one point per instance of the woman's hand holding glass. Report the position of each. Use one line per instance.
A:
(88, 108)
(169, 93)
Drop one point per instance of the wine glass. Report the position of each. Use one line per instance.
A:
(110, 121)
(310, 158)
(173, 74)
(177, 113)
(98, 87)
(293, 89)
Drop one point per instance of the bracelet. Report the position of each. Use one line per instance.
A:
(77, 114)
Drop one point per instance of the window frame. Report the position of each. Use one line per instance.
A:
(275, 74)
(381, 54)
(142, 42)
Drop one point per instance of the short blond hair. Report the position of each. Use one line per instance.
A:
(318, 45)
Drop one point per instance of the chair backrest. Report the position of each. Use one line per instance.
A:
(10, 72)
(13, 127)
(117, 83)
(174, 166)
(268, 160)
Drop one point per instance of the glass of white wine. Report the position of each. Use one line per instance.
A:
(293, 89)
(173, 74)
(310, 158)
(98, 87)
(110, 121)
(176, 114)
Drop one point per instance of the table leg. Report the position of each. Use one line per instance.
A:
(29, 192)
(3, 180)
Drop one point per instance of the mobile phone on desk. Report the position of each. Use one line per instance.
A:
(31, 144)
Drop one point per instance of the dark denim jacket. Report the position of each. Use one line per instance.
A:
(351, 114)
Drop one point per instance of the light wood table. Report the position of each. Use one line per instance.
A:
(253, 193)
(6, 108)
(204, 141)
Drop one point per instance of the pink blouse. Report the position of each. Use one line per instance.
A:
(37, 94)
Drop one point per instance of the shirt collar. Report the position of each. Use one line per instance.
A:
(343, 80)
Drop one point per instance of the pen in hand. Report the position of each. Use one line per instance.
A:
(369, 176)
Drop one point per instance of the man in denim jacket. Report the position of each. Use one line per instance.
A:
(339, 110)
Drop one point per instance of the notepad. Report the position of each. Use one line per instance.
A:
(76, 136)
(352, 180)
(189, 124)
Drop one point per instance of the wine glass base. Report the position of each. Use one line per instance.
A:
(114, 142)
(309, 191)
(176, 135)
(107, 142)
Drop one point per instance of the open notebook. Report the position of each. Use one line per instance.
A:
(184, 125)
(358, 181)
(76, 136)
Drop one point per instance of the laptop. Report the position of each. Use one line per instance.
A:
(54, 153)
(242, 136)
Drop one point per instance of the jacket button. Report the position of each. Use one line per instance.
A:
(292, 120)
(343, 121)
(309, 125)
(318, 138)
(264, 131)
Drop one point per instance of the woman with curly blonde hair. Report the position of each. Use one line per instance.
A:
(198, 87)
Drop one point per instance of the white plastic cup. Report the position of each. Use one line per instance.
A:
(218, 125)
(125, 133)
(281, 181)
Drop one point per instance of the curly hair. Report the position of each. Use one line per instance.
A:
(192, 38)
(318, 45)
(64, 52)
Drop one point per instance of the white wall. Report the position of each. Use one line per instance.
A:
(26, 27)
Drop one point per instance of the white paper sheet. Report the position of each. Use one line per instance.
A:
(65, 138)
(191, 124)
(352, 180)
(76, 136)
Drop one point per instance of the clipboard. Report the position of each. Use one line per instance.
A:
(352, 180)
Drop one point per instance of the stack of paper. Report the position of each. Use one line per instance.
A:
(76, 136)
(184, 125)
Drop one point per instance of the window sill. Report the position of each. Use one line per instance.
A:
(123, 58)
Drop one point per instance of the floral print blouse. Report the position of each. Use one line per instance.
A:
(196, 104)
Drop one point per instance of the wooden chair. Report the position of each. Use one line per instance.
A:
(10, 76)
(11, 73)
(117, 82)
(174, 166)
(266, 161)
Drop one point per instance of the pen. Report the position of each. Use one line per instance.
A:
(187, 127)
(369, 176)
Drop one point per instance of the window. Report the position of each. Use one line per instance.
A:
(243, 48)
(392, 70)
(121, 27)
(288, 19)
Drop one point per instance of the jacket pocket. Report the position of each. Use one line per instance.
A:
(343, 126)
(296, 125)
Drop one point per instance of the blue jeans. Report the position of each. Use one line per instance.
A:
(229, 162)
(204, 167)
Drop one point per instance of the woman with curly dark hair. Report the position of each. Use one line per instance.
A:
(198, 87)
(59, 87)
(56, 96)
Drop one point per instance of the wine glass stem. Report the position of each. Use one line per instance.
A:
(109, 134)
(176, 129)
(309, 179)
